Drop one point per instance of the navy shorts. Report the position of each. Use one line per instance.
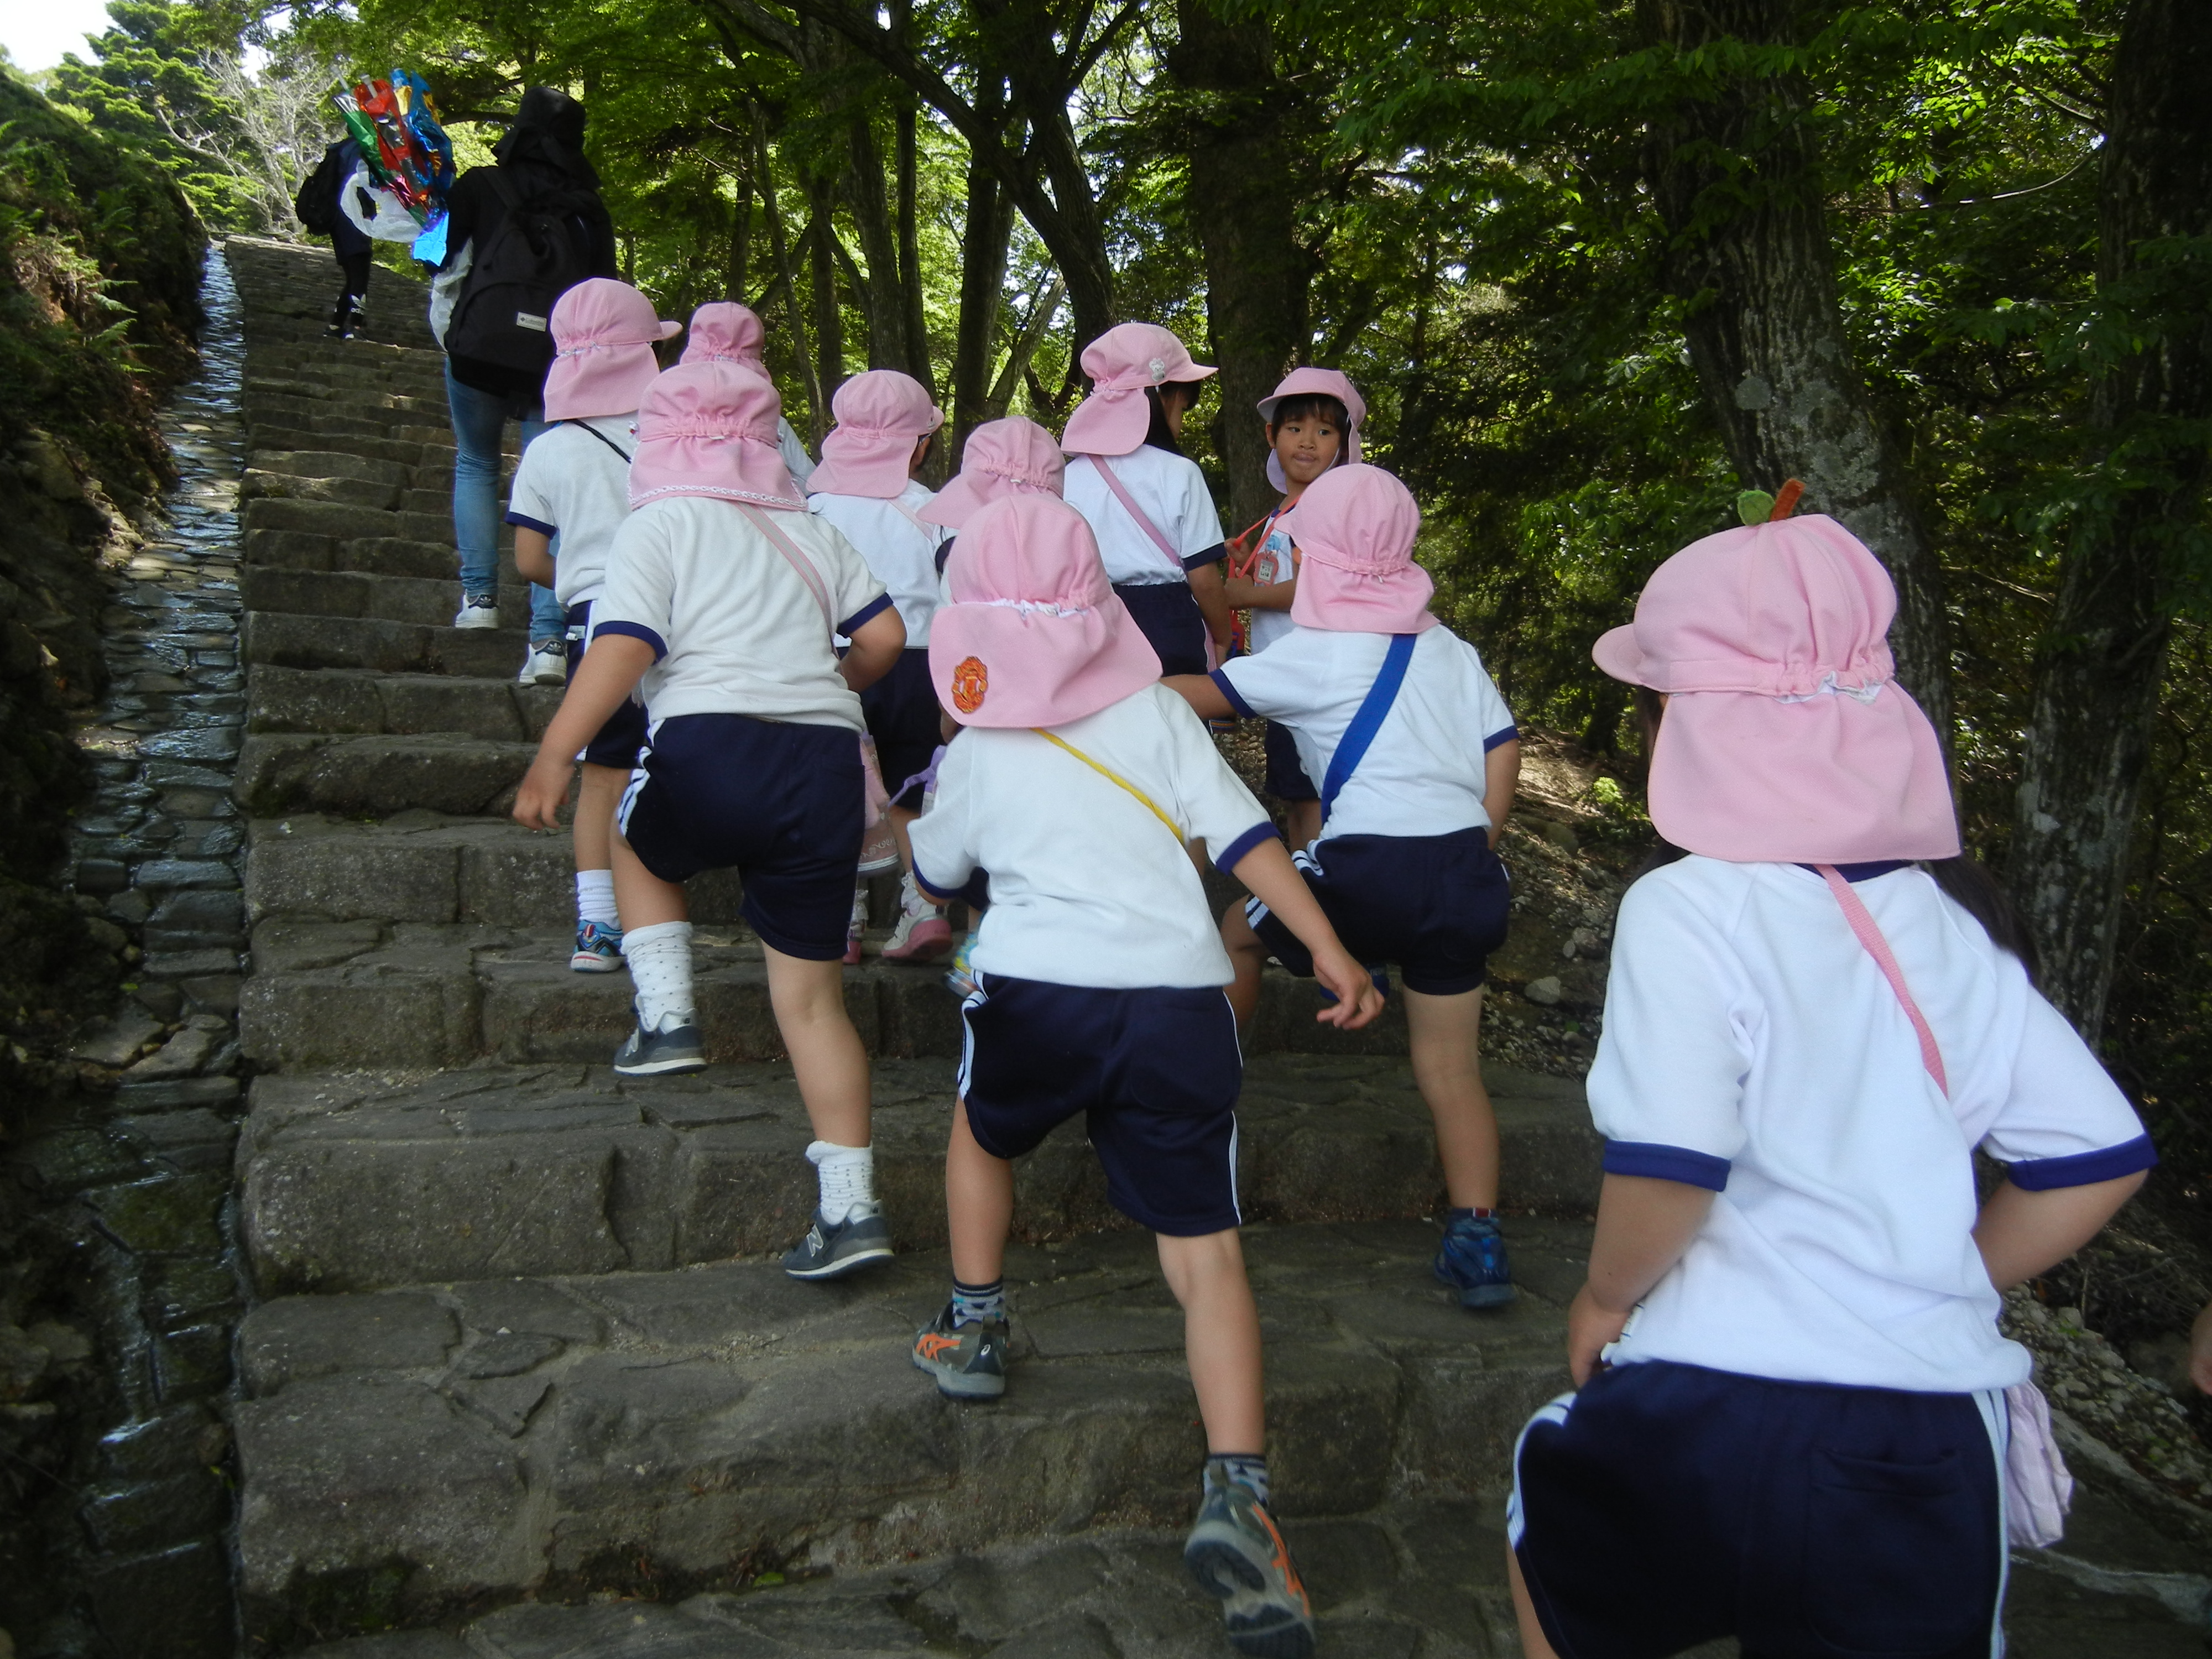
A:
(1436, 905)
(903, 714)
(1167, 614)
(779, 802)
(1668, 1505)
(1156, 1071)
(1286, 773)
(618, 742)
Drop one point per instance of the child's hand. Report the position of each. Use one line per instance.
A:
(1358, 1001)
(1590, 1330)
(2200, 1350)
(544, 791)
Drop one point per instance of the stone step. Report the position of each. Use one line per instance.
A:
(346, 521)
(379, 775)
(346, 700)
(428, 600)
(427, 1451)
(377, 555)
(366, 1180)
(288, 640)
(268, 438)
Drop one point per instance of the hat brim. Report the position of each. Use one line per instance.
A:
(995, 665)
(1358, 602)
(1617, 655)
(879, 465)
(585, 387)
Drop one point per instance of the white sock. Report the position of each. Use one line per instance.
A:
(595, 898)
(660, 958)
(848, 1177)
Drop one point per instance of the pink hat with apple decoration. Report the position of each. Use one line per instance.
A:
(1006, 458)
(603, 332)
(1354, 530)
(1121, 363)
(722, 331)
(709, 429)
(881, 415)
(1316, 383)
(1035, 635)
(1786, 738)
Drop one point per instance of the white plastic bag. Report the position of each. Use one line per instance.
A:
(388, 222)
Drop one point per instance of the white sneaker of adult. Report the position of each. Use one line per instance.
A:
(546, 664)
(477, 611)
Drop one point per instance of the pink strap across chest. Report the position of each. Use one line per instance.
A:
(1862, 925)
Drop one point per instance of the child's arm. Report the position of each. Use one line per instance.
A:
(1643, 1226)
(2022, 1233)
(1501, 776)
(876, 646)
(533, 555)
(1274, 880)
(1206, 587)
(1204, 696)
(610, 671)
(1245, 594)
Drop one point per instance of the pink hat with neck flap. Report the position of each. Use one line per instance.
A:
(1786, 738)
(1316, 383)
(1354, 530)
(1122, 362)
(603, 332)
(1012, 457)
(1035, 635)
(709, 429)
(881, 415)
(722, 331)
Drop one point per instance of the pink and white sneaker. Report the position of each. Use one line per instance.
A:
(922, 934)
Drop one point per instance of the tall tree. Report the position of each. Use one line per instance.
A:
(2140, 526)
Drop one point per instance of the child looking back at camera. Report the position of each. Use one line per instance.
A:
(1078, 785)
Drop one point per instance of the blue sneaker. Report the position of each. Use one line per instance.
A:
(598, 950)
(1471, 1260)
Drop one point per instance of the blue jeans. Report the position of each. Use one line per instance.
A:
(479, 423)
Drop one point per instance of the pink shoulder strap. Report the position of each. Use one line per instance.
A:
(795, 556)
(1144, 521)
(1862, 925)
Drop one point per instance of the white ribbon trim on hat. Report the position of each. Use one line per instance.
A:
(1828, 688)
(1032, 607)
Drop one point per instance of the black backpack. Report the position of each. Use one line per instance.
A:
(539, 250)
(316, 206)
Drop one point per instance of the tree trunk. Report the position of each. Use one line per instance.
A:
(881, 301)
(780, 245)
(2103, 659)
(1750, 251)
(916, 320)
(982, 280)
(1243, 201)
(736, 268)
(829, 319)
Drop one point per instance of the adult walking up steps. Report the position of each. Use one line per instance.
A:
(521, 1344)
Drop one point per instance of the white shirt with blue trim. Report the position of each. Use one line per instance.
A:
(1173, 493)
(1086, 885)
(1424, 773)
(734, 628)
(1753, 1045)
(899, 547)
(575, 484)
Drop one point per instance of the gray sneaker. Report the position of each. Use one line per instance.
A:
(969, 1361)
(661, 1053)
(1237, 1555)
(828, 1252)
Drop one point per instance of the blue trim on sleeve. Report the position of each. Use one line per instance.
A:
(944, 552)
(528, 523)
(866, 614)
(2041, 1175)
(1229, 690)
(975, 890)
(1213, 555)
(1234, 855)
(1661, 1162)
(636, 631)
(1504, 734)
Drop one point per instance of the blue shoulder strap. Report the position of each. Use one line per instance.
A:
(1373, 710)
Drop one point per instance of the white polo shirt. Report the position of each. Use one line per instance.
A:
(575, 484)
(1753, 1045)
(734, 628)
(1277, 563)
(1087, 885)
(796, 460)
(1423, 773)
(898, 546)
(1173, 493)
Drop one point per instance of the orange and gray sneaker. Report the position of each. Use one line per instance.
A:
(1237, 1555)
(969, 1361)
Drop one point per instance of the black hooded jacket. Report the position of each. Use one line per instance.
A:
(542, 154)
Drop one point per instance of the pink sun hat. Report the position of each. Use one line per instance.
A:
(1013, 457)
(1354, 530)
(709, 429)
(1035, 635)
(603, 332)
(1786, 738)
(1323, 383)
(1122, 362)
(881, 415)
(722, 331)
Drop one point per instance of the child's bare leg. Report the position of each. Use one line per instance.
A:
(832, 1067)
(597, 795)
(1533, 1644)
(979, 1205)
(1305, 817)
(1247, 955)
(902, 819)
(1446, 1036)
(1221, 1335)
(644, 900)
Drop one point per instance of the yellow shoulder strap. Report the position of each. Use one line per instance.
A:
(1112, 776)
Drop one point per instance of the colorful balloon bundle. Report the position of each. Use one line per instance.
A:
(395, 122)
